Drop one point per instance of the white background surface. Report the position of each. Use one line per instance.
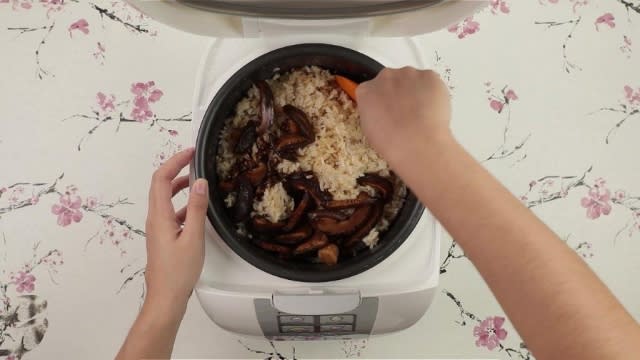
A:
(88, 316)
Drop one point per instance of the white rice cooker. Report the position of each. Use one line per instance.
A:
(245, 299)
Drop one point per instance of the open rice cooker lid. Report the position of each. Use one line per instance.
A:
(256, 18)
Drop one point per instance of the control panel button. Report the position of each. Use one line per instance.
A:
(337, 319)
(295, 319)
(336, 328)
(297, 329)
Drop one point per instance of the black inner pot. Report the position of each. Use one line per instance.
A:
(339, 60)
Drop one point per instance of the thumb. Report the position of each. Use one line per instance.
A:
(196, 211)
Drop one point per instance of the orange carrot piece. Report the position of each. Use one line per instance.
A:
(349, 86)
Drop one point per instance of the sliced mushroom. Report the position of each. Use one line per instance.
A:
(262, 224)
(302, 121)
(372, 220)
(329, 254)
(362, 199)
(348, 226)
(267, 112)
(276, 248)
(296, 236)
(382, 186)
(317, 241)
(298, 212)
(257, 174)
(247, 138)
(309, 184)
(290, 143)
(227, 186)
(332, 214)
(244, 199)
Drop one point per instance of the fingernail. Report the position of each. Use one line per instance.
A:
(200, 186)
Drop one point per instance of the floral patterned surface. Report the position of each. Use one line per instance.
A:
(94, 96)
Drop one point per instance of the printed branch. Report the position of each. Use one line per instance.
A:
(273, 355)
(27, 202)
(451, 255)
(575, 182)
(568, 65)
(40, 71)
(112, 16)
(630, 6)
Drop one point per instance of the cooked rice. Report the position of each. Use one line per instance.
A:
(338, 156)
(275, 204)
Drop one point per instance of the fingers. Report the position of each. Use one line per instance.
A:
(179, 184)
(181, 215)
(160, 207)
(196, 211)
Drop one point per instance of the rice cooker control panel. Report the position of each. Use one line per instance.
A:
(358, 321)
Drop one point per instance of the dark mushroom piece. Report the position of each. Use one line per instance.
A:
(271, 247)
(244, 199)
(362, 199)
(317, 241)
(309, 184)
(227, 186)
(262, 224)
(297, 213)
(302, 121)
(382, 186)
(332, 214)
(267, 112)
(296, 236)
(334, 227)
(290, 143)
(374, 216)
(247, 139)
(329, 254)
(257, 174)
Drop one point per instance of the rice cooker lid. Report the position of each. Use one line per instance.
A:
(252, 18)
(310, 9)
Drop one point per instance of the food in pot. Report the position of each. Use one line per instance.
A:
(299, 178)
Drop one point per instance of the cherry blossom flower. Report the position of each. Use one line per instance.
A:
(91, 202)
(620, 195)
(145, 93)
(68, 210)
(633, 97)
(511, 95)
(606, 18)
(467, 27)
(499, 5)
(496, 105)
(597, 202)
(490, 332)
(34, 199)
(81, 25)
(24, 282)
(106, 102)
(99, 54)
(172, 132)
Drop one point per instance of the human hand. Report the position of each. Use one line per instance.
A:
(402, 111)
(175, 254)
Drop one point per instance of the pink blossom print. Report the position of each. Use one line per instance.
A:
(24, 282)
(105, 103)
(145, 94)
(68, 210)
(498, 102)
(606, 19)
(91, 202)
(598, 201)
(499, 6)
(81, 25)
(632, 96)
(467, 27)
(490, 332)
